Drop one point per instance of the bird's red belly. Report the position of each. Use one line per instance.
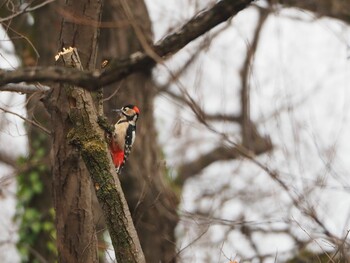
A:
(118, 158)
(117, 155)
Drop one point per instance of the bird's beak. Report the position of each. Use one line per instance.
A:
(118, 111)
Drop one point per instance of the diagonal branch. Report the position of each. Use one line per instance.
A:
(24, 88)
(221, 153)
(331, 8)
(8, 159)
(199, 25)
(27, 120)
(118, 69)
(27, 9)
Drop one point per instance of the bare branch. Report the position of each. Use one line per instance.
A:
(342, 245)
(118, 69)
(7, 159)
(252, 140)
(295, 197)
(247, 125)
(19, 35)
(336, 9)
(27, 120)
(194, 167)
(220, 153)
(199, 25)
(80, 20)
(176, 75)
(24, 88)
(60, 74)
(25, 10)
(223, 117)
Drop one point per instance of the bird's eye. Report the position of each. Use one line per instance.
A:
(127, 111)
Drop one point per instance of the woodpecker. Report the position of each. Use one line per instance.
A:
(123, 136)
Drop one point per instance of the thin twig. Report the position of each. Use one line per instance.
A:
(8, 27)
(25, 10)
(72, 17)
(7, 158)
(115, 92)
(340, 247)
(27, 120)
(191, 243)
(140, 35)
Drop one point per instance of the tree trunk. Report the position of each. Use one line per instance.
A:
(151, 201)
(76, 235)
(88, 137)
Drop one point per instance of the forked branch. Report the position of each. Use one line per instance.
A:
(119, 69)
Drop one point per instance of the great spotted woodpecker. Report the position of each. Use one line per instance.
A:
(123, 136)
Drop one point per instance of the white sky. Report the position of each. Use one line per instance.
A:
(301, 67)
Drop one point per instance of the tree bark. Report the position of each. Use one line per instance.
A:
(76, 237)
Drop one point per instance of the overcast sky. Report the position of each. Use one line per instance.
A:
(299, 97)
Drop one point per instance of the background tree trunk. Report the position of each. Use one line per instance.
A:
(45, 21)
(42, 243)
(151, 201)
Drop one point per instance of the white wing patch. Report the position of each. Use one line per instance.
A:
(133, 137)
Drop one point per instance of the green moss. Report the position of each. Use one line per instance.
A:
(94, 146)
(73, 139)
